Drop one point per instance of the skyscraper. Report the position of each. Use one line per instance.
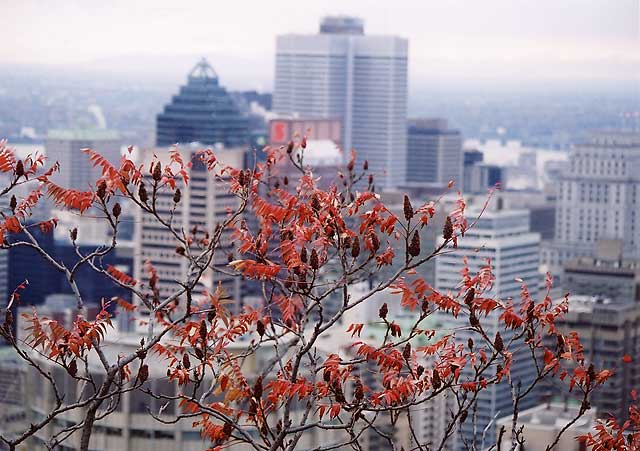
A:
(341, 73)
(65, 147)
(204, 204)
(204, 112)
(502, 236)
(598, 197)
(434, 152)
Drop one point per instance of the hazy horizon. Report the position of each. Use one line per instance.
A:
(496, 41)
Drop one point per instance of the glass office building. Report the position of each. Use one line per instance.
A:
(203, 111)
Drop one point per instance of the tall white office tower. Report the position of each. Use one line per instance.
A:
(341, 73)
(205, 202)
(504, 237)
(598, 198)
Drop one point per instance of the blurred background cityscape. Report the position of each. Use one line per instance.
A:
(539, 98)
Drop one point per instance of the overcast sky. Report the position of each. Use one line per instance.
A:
(492, 39)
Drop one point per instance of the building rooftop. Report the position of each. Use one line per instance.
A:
(553, 416)
(608, 258)
(202, 111)
(604, 266)
(614, 138)
(586, 303)
(341, 25)
(431, 126)
(203, 69)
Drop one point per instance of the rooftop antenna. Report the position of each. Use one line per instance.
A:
(203, 70)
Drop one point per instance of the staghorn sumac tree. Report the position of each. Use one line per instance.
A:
(299, 369)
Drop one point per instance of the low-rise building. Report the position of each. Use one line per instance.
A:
(542, 424)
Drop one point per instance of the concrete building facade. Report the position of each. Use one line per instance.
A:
(598, 197)
(76, 171)
(503, 238)
(608, 331)
(205, 203)
(542, 424)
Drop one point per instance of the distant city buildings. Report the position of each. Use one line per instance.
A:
(598, 198)
(434, 152)
(542, 424)
(604, 274)
(479, 176)
(540, 205)
(323, 154)
(129, 426)
(608, 331)
(604, 309)
(204, 204)
(77, 171)
(26, 264)
(204, 112)
(282, 130)
(472, 156)
(13, 412)
(256, 106)
(246, 98)
(341, 73)
(503, 238)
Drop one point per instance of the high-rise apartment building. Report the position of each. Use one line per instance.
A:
(204, 112)
(608, 331)
(606, 274)
(76, 171)
(598, 197)
(204, 204)
(503, 237)
(341, 73)
(434, 152)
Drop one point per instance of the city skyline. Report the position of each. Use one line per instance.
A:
(349, 225)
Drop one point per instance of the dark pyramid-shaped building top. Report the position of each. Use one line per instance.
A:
(203, 70)
(203, 111)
